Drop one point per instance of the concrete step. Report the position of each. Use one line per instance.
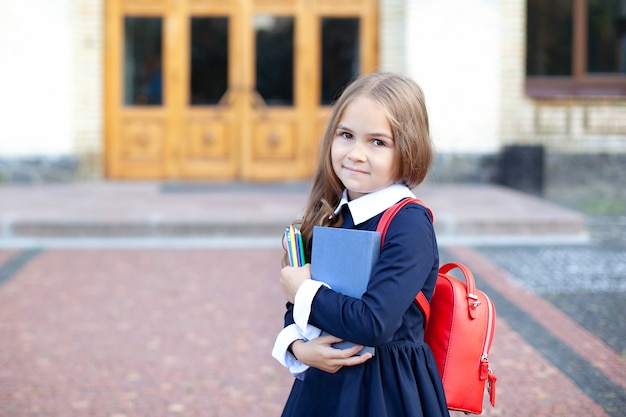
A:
(108, 209)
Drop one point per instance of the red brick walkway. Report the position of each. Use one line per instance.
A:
(125, 333)
(142, 333)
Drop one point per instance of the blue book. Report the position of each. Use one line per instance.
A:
(344, 259)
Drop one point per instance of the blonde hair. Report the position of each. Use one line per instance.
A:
(402, 101)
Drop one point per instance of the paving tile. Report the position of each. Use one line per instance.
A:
(189, 332)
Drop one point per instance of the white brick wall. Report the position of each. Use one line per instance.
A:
(87, 42)
(392, 35)
(516, 111)
(453, 52)
(88, 111)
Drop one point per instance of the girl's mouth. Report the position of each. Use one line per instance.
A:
(354, 170)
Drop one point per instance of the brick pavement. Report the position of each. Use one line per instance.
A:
(542, 374)
(118, 333)
(183, 331)
(162, 332)
(591, 348)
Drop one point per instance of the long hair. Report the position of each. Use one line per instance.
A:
(402, 101)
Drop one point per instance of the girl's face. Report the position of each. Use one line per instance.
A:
(363, 149)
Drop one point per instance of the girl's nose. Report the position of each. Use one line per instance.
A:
(357, 152)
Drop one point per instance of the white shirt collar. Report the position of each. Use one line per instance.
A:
(369, 205)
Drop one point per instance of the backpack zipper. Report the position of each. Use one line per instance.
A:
(490, 329)
(484, 357)
(485, 371)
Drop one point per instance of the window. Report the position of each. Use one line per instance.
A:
(340, 55)
(143, 44)
(208, 79)
(274, 59)
(576, 47)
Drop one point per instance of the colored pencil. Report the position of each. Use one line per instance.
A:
(289, 251)
(294, 258)
(302, 258)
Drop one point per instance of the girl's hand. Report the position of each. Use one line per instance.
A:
(318, 353)
(291, 278)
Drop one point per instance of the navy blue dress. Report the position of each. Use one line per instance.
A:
(402, 379)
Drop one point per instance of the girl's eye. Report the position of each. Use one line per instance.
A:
(378, 142)
(346, 135)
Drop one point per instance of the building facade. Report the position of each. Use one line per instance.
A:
(74, 77)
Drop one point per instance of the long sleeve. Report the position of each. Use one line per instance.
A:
(302, 308)
(408, 263)
(297, 327)
(281, 353)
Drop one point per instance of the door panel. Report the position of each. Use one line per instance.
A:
(135, 110)
(207, 148)
(222, 89)
(208, 144)
(207, 141)
(143, 139)
(273, 114)
(274, 141)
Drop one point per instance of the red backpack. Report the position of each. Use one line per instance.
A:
(460, 325)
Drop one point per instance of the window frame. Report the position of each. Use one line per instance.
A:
(580, 83)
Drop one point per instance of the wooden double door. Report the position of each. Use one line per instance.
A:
(227, 89)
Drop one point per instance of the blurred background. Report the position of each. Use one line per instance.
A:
(526, 93)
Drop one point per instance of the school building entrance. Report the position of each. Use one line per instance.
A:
(227, 89)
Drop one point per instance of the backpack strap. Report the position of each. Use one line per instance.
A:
(424, 305)
(383, 226)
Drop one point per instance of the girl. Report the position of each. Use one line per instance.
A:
(375, 150)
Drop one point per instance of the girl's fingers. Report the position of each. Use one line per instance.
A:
(349, 357)
(352, 351)
(350, 361)
(359, 359)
